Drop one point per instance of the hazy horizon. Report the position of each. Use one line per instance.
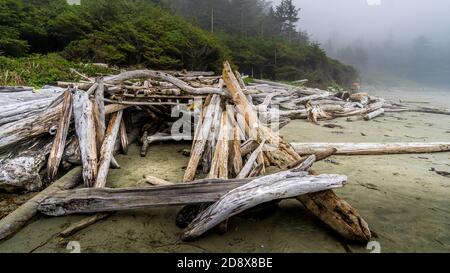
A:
(407, 39)
(353, 19)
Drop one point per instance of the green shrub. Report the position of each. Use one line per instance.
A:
(39, 70)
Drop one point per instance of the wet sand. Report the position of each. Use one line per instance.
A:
(404, 202)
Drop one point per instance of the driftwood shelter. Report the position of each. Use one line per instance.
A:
(62, 141)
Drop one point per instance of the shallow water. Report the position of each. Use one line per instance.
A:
(404, 202)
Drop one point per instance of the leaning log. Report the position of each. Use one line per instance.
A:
(373, 148)
(106, 152)
(219, 164)
(204, 131)
(284, 155)
(261, 190)
(59, 143)
(18, 218)
(123, 137)
(245, 171)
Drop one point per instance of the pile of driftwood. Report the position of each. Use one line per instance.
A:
(74, 131)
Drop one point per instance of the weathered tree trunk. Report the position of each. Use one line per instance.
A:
(21, 171)
(261, 190)
(203, 136)
(17, 111)
(94, 200)
(155, 181)
(236, 156)
(59, 143)
(18, 218)
(251, 161)
(36, 125)
(86, 133)
(28, 128)
(284, 155)
(337, 214)
(373, 148)
(107, 149)
(374, 114)
(219, 165)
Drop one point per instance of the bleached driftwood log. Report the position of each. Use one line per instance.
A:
(59, 143)
(203, 135)
(30, 127)
(18, 218)
(245, 171)
(155, 181)
(17, 111)
(106, 152)
(272, 187)
(290, 88)
(235, 152)
(164, 76)
(94, 200)
(21, 171)
(373, 148)
(283, 154)
(338, 215)
(374, 114)
(37, 125)
(86, 133)
(219, 164)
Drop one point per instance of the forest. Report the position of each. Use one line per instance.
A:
(262, 40)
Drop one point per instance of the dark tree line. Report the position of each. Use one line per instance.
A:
(246, 18)
(262, 40)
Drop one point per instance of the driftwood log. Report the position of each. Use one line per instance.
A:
(20, 217)
(261, 190)
(94, 200)
(59, 143)
(202, 136)
(373, 148)
(86, 133)
(338, 214)
(29, 128)
(107, 149)
(22, 171)
(83, 224)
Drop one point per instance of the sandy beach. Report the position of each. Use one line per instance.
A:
(402, 200)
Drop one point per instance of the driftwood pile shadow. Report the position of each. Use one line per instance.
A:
(62, 142)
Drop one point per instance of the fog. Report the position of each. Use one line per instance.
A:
(406, 38)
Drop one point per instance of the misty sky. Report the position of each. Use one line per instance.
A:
(352, 19)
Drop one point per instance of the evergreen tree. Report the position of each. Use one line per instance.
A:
(288, 16)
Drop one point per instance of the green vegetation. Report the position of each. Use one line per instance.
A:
(39, 70)
(262, 41)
